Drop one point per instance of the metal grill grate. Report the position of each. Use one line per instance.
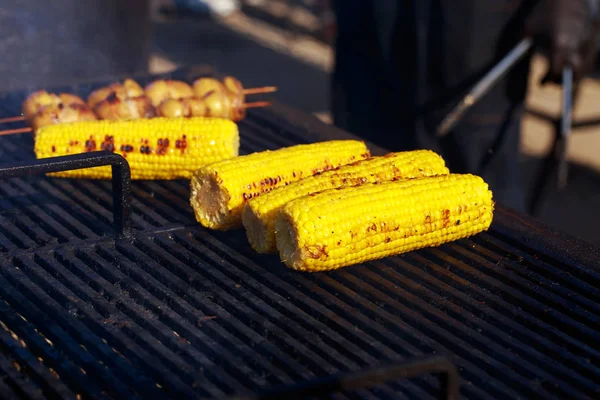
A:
(178, 310)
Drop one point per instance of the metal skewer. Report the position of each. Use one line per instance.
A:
(15, 131)
(484, 85)
(12, 119)
(259, 90)
(565, 126)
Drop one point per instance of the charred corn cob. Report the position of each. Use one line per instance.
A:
(160, 148)
(336, 228)
(219, 191)
(258, 215)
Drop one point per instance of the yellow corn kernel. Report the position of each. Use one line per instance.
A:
(336, 228)
(158, 148)
(219, 191)
(258, 215)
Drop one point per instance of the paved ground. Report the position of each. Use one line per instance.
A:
(261, 53)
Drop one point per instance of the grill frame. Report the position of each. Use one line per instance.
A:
(91, 285)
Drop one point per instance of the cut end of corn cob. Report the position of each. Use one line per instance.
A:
(220, 190)
(209, 200)
(159, 148)
(337, 228)
(259, 214)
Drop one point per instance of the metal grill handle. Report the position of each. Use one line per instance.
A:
(121, 178)
(449, 380)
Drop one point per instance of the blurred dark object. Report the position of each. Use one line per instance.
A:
(400, 66)
(201, 8)
(568, 30)
(64, 41)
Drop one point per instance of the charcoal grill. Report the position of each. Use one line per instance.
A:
(111, 290)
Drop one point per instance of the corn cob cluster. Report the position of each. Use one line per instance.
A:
(320, 218)
(220, 190)
(159, 148)
(259, 213)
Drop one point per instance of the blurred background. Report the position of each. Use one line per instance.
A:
(285, 43)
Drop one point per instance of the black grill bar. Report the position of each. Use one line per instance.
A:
(121, 181)
(449, 380)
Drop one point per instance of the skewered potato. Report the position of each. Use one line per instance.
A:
(59, 114)
(128, 89)
(115, 108)
(160, 90)
(182, 108)
(40, 99)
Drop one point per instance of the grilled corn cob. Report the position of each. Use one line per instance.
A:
(258, 215)
(159, 148)
(219, 191)
(336, 228)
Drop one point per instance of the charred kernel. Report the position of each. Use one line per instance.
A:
(54, 149)
(90, 144)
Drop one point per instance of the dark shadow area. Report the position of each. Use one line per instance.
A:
(572, 209)
(200, 41)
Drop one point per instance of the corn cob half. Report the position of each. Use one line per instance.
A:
(220, 190)
(336, 228)
(159, 148)
(258, 215)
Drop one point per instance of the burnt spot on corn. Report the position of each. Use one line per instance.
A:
(73, 142)
(54, 149)
(145, 149)
(181, 144)
(90, 144)
(316, 251)
(162, 146)
(127, 148)
(446, 218)
(61, 106)
(269, 183)
(339, 242)
(457, 222)
(108, 144)
(388, 239)
(428, 219)
(372, 228)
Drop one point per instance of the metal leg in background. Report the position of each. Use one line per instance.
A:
(557, 157)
